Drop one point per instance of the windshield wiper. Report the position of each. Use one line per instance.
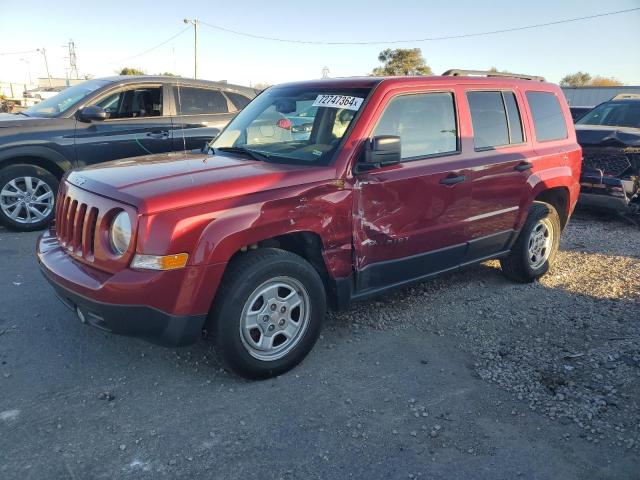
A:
(251, 153)
(22, 113)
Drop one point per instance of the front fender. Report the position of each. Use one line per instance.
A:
(213, 233)
(39, 151)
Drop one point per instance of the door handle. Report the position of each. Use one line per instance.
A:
(158, 134)
(523, 166)
(452, 179)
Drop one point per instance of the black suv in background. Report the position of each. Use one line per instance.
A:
(100, 120)
(610, 139)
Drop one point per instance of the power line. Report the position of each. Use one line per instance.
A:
(426, 39)
(152, 48)
(18, 53)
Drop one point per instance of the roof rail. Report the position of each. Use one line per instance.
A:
(489, 73)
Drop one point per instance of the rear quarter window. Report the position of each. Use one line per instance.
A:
(548, 120)
(240, 101)
(199, 101)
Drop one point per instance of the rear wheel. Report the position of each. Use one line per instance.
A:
(536, 246)
(27, 197)
(268, 313)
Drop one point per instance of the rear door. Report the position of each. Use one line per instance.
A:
(138, 123)
(200, 114)
(506, 161)
(410, 216)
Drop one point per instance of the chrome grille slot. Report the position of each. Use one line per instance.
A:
(70, 220)
(89, 233)
(76, 222)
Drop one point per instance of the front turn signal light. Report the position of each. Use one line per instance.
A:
(159, 262)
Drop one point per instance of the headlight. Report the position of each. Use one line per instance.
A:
(120, 233)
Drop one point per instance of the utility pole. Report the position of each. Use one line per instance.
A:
(195, 22)
(43, 51)
(72, 59)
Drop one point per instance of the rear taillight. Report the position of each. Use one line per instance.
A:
(284, 123)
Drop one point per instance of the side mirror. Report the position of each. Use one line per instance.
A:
(92, 113)
(380, 151)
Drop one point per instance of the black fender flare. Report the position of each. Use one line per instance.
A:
(46, 156)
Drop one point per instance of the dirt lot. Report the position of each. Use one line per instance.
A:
(467, 376)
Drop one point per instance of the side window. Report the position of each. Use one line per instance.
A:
(240, 101)
(513, 116)
(133, 103)
(489, 119)
(548, 119)
(198, 101)
(425, 123)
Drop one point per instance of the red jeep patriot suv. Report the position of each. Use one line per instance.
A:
(317, 194)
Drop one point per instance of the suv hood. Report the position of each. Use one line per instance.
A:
(602, 136)
(11, 120)
(154, 183)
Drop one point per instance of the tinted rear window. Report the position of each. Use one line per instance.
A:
(198, 101)
(548, 119)
(513, 115)
(490, 128)
(240, 101)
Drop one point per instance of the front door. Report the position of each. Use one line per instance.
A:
(410, 217)
(137, 124)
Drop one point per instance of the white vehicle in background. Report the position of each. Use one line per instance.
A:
(36, 95)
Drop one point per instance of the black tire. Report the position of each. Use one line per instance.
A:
(517, 265)
(7, 174)
(243, 276)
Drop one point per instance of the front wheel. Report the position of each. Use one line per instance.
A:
(268, 313)
(536, 246)
(27, 197)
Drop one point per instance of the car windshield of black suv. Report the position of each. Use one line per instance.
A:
(613, 114)
(54, 106)
(299, 125)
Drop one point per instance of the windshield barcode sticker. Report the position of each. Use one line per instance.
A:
(338, 101)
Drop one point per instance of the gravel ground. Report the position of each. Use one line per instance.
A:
(568, 346)
(466, 376)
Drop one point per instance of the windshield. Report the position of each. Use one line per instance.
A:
(300, 125)
(61, 102)
(613, 114)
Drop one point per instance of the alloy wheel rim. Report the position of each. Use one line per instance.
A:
(27, 200)
(274, 318)
(540, 243)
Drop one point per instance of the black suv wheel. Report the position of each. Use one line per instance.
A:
(27, 197)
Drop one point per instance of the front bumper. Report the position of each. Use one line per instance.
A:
(601, 191)
(166, 308)
(132, 320)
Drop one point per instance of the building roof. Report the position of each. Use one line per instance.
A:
(592, 96)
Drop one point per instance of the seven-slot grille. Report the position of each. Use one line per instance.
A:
(76, 226)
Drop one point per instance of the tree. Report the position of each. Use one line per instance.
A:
(495, 70)
(168, 74)
(578, 79)
(583, 79)
(401, 61)
(599, 81)
(261, 85)
(131, 71)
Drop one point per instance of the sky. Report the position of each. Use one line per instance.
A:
(111, 35)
